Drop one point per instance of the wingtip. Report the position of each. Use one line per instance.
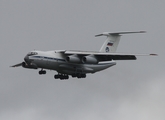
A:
(98, 35)
(142, 31)
(12, 66)
(154, 54)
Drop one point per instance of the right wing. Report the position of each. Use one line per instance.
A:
(101, 56)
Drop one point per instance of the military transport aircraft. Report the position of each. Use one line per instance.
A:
(78, 63)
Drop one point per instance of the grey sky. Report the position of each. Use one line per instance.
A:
(129, 90)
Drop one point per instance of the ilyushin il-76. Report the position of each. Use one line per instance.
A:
(77, 63)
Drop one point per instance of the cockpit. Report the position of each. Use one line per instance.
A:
(32, 53)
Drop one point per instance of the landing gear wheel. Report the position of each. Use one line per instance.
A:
(61, 76)
(42, 72)
(79, 75)
(56, 76)
(83, 75)
(74, 75)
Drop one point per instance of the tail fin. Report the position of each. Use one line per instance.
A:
(112, 41)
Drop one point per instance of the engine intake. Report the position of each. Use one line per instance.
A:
(73, 59)
(90, 59)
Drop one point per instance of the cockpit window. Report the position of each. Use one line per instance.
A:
(32, 53)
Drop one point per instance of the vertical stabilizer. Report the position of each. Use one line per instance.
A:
(112, 41)
(110, 44)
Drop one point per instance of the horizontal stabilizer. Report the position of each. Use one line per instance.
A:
(117, 33)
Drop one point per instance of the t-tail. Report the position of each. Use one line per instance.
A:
(112, 41)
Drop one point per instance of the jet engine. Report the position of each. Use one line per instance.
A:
(90, 59)
(31, 66)
(73, 59)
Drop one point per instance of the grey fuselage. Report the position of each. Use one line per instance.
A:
(56, 60)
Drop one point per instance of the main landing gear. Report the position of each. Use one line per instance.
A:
(42, 72)
(65, 76)
(78, 75)
(61, 76)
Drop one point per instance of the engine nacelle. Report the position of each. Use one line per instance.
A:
(31, 66)
(91, 59)
(73, 59)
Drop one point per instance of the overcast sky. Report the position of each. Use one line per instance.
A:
(131, 90)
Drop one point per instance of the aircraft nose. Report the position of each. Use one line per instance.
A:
(26, 58)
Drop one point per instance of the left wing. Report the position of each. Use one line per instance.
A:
(17, 65)
(101, 56)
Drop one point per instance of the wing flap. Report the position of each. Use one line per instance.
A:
(115, 57)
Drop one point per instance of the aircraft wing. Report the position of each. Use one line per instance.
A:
(17, 65)
(102, 56)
